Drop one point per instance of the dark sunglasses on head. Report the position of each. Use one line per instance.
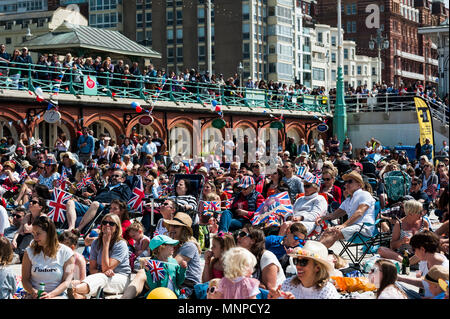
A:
(301, 262)
(105, 222)
(243, 234)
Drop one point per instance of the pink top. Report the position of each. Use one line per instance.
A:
(239, 288)
(217, 273)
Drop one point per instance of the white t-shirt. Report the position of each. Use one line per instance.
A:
(48, 270)
(4, 222)
(229, 145)
(392, 292)
(301, 292)
(350, 205)
(268, 258)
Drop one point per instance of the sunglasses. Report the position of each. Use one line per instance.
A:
(243, 234)
(414, 184)
(117, 176)
(165, 204)
(301, 262)
(17, 216)
(300, 241)
(327, 179)
(349, 181)
(211, 290)
(149, 180)
(307, 185)
(105, 222)
(41, 167)
(34, 202)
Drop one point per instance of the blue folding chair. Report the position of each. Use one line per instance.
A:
(368, 243)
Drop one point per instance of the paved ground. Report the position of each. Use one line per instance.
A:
(337, 248)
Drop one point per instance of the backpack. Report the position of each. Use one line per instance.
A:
(397, 184)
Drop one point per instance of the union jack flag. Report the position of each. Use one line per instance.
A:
(136, 201)
(301, 171)
(61, 182)
(23, 175)
(228, 203)
(278, 205)
(84, 182)
(211, 206)
(57, 205)
(155, 269)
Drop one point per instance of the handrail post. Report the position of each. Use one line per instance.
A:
(386, 103)
(357, 103)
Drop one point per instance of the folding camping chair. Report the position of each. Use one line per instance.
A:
(368, 243)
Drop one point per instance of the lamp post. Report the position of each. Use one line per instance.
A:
(240, 70)
(340, 110)
(381, 43)
(208, 37)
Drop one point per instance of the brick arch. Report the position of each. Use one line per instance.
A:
(112, 120)
(12, 116)
(298, 127)
(157, 125)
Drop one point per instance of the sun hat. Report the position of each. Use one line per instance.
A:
(162, 240)
(180, 219)
(355, 176)
(71, 157)
(314, 250)
(25, 164)
(304, 154)
(9, 164)
(246, 182)
(435, 273)
(202, 169)
(50, 161)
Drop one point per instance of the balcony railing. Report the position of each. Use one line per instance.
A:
(432, 61)
(410, 56)
(69, 81)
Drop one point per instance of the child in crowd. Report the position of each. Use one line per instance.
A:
(70, 239)
(212, 287)
(432, 277)
(237, 283)
(172, 274)
(7, 277)
(141, 242)
(221, 243)
(384, 276)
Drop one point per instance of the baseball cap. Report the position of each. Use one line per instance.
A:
(358, 164)
(161, 240)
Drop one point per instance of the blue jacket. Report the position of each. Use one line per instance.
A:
(89, 148)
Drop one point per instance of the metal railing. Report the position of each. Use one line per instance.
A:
(65, 80)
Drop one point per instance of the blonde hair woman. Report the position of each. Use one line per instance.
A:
(109, 263)
(403, 230)
(313, 274)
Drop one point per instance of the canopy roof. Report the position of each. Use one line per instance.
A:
(84, 39)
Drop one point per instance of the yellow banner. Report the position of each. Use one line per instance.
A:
(425, 121)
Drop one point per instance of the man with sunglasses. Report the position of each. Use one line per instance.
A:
(359, 207)
(17, 217)
(244, 205)
(294, 182)
(417, 193)
(115, 189)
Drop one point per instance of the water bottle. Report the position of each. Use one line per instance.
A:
(41, 289)
(291, 270)
(182, 294)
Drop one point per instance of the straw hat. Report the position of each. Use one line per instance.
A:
(71, 157)
(314, 250)
(25, 164)
(435, 273)
(355, 176)
(180, 219)
(9, 164)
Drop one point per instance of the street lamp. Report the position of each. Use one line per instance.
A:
(381, 43)
(340, 111)
(240, 70)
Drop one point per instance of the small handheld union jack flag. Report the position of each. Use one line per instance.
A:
(211, 206)
(57, 205)
(61, 182)
(23, 175)
(84, 182)
(136, 201)
(155, 269)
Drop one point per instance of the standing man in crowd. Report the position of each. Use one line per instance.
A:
(85, 145)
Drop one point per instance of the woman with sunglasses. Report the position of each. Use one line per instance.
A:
(50, 175)
(313, 275)
(47, 261)
(268, 269)
(429, 180)
(37, 207)
(328, 187)
(109, 264)
(274, 184)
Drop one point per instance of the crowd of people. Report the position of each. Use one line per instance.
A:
(122, 75)
(208, 210)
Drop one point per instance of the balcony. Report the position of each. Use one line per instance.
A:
(432, 61)
(410, 56)
(433, 79)
(410, 75)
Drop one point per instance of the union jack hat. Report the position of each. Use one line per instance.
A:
(50, 161)
(93, 165)
(114, 166)
(246, 182)
(312, 179)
